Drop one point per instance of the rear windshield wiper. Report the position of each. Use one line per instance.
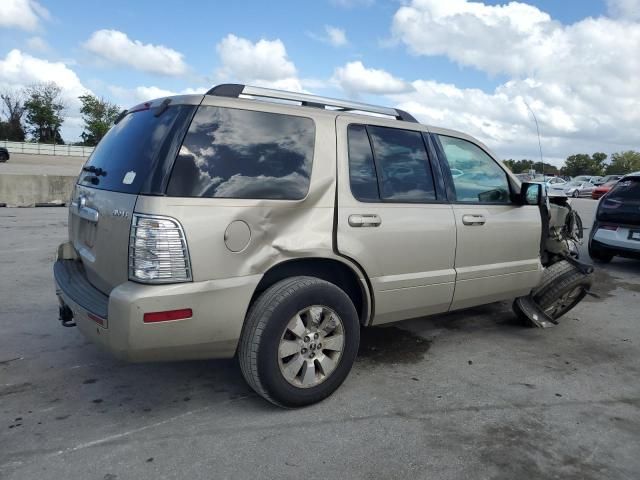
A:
(97, 171)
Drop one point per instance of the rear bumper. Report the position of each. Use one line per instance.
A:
(616, 242)
(116, 321)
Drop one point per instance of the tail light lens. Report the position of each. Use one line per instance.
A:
(158, 250)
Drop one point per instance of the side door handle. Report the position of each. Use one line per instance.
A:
(365, 220)
(473, 220)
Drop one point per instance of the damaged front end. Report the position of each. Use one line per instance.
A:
(566, 280)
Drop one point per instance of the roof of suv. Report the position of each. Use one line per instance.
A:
(326, 105)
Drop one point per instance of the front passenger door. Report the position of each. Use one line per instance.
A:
(498, 242)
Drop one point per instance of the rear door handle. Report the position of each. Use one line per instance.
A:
(365, 220)
(473, 219)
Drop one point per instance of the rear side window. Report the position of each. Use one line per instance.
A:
(362, 171)
(392, 167)
(477, 177)
(232, 153)
(626, 189)
(129, 153)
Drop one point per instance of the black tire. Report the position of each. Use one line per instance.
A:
(562, 279)
(576, 194)
(599, 255)
(264, 326)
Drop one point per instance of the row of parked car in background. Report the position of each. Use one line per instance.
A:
(581, 186)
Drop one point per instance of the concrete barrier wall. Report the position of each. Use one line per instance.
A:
(29, 190)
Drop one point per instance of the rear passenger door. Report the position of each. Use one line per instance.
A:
(393, 218)
(498, 242)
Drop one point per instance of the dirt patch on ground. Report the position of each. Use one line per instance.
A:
(604, 284)
(391, 345)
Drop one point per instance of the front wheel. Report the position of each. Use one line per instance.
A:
(576, 194)
(299, 342)
(563, 287)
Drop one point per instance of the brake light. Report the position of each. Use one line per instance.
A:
(168, 316)
(609, 227)
(158, 250)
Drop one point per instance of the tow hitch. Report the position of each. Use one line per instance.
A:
(66, 316)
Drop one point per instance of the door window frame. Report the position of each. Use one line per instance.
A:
(433, 165)
(448, 177)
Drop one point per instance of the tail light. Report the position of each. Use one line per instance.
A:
(158, 250)
(609, 227)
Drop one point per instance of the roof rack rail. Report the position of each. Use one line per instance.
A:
(234, 90)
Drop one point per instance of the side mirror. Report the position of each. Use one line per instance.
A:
(530, 194)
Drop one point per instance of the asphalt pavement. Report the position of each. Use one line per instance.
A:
(466, 395)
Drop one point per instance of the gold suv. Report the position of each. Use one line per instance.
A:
(274, 225)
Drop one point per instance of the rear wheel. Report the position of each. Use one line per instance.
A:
(599, 255)
(299, 342)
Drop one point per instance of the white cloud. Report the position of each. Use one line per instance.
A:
(355, 78)
(116, 47)
(577, 78)
(624, 9)
(263, 63)
(24, 14)
(18, 70)
(333, 36)
(128, 97)
(37, 44)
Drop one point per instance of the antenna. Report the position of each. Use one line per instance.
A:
(538, 131)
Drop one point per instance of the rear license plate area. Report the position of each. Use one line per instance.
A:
(634, 235)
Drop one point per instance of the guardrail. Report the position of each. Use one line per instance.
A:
(46, 149)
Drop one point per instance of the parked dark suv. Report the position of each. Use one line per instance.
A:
(616, 229)
(4, 154)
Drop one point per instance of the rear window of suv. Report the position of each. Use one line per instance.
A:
(626, 189)
(233, 153)
(130, 152)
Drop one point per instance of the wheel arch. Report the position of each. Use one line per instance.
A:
(342, 274)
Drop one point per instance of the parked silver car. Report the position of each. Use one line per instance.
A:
(208, 226)
(573, 188)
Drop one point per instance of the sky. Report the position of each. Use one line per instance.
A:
(470, 66)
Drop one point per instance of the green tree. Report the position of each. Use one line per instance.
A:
(45, 112)
(624, 162)
(12, 107)
(523, 166)
(98, 116)
(584, 164)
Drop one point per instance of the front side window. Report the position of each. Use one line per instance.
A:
(232, 153)
(404, 173)
(478, 178)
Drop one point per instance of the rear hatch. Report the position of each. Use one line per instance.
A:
(135, 157)
(621, 206)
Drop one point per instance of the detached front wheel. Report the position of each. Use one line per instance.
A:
(563, 287)
(299, 342)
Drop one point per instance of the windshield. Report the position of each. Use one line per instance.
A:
(127, 155)
(581, 178)
(573, 184)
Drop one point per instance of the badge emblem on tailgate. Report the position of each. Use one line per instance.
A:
(120, 213)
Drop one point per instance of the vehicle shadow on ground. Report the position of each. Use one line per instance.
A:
(111, 386)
